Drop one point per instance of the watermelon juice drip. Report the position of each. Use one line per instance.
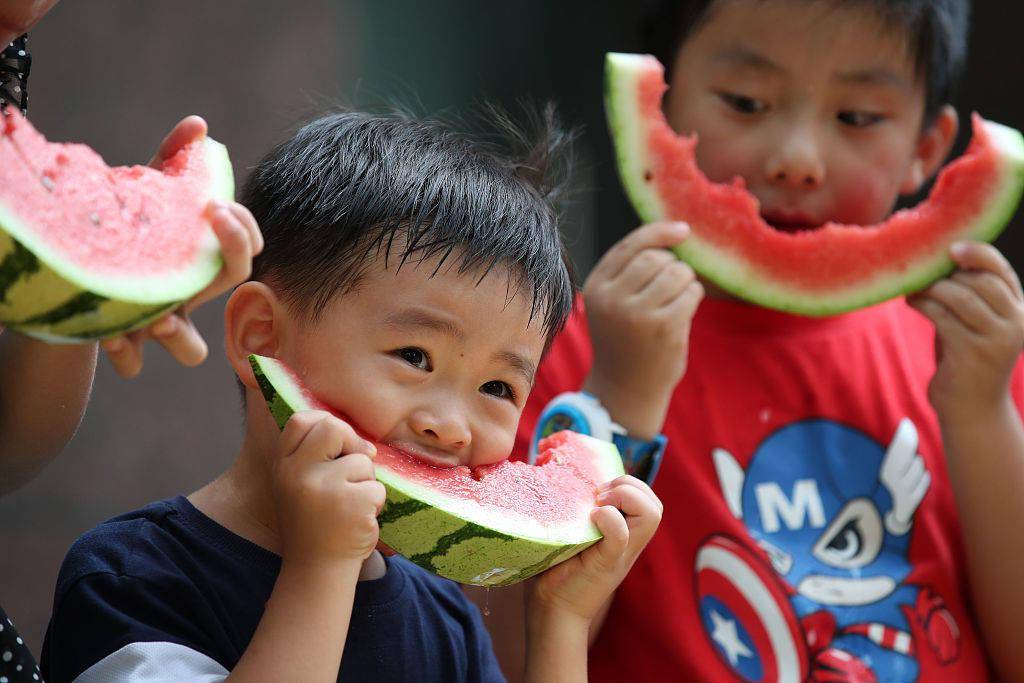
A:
(728, 217)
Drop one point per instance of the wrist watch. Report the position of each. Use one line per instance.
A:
(583, 413)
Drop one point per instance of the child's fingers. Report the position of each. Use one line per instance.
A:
(355, 468)
(963, 303)
(180, 337)
(374, 492)
(317, 436)
(613, 527)
(248, 221)
(236, 243)
(650, 236)
(982, 256)
(185, 131)
(630, 480)
(947, 325)
(685, 304)
(667, 285)
(125, 354)
(637, 505)
(643, 269)
(992, 289)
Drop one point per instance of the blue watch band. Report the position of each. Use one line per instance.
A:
(642, 459)
(582, 412)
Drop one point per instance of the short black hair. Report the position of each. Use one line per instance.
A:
(936, 32)
(347, 184)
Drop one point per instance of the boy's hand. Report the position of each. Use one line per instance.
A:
(628, 516)
(326, 497)
(240, 240)
(979, 320)
(640, 300)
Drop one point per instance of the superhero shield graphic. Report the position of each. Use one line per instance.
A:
(747, 615)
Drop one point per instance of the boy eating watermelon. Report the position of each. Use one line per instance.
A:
(851, 483)
(412, 279)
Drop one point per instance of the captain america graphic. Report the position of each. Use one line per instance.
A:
(818, 591)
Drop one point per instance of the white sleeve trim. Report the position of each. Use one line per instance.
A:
(157, 662)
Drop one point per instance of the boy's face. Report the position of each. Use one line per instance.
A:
(439, 367)
(816, 106)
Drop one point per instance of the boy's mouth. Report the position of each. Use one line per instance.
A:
(790, 221)
(431, 456)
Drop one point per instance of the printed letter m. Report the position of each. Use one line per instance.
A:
(805, 503)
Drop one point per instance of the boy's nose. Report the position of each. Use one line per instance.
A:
(445, 430)
(797, 163)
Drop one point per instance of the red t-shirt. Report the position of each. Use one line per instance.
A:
(801, 533)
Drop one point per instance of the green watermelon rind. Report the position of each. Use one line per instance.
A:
(452, 538)
(140, 288)
(739, 277)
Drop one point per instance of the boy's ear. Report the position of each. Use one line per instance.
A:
(252, 324)
(932, 149)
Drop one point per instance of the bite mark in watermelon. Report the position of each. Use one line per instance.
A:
(492, 526)
(831, 269)
(88, 251)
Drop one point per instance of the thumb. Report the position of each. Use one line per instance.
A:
(188, 130)
(612, 525)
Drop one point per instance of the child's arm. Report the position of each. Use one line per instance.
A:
(979, 318)
(240, 240)
(327, 508)
(564, 601)
(640, 300)
(43, 393)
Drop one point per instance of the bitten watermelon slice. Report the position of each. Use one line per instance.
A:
(824, 271)
(88, 251)
(492, 526)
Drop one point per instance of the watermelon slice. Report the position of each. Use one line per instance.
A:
(828, 270)
(89, 251)
(492, 526)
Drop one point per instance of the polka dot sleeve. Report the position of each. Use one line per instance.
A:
(16, 663)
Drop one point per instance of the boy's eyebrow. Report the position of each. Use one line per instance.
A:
(415, 317)
(737, 55)
(519, 364)
(872, 76)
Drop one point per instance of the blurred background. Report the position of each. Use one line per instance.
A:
(118, 75)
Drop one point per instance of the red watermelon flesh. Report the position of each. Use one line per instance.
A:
(88, 251)
(118, 221)
(822, 271)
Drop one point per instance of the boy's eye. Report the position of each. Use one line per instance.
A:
(858, 119)
(743, 104)
(414, 356)
(498, 389)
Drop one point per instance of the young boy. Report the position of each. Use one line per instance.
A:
(413, 279)
(852, 483)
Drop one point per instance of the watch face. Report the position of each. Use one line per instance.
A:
(562, 416)
(556, 422)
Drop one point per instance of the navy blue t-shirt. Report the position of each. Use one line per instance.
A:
(167, 594)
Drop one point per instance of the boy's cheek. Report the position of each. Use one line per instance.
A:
(721, 161)
(864, 203)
